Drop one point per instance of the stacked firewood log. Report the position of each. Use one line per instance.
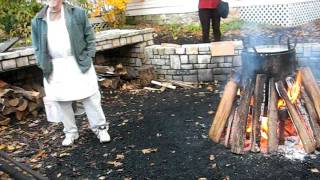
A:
(125, 78)
(17, 103)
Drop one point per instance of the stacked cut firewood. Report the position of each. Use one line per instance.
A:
(17, 103)
(125, 78)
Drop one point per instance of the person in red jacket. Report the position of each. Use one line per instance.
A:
(208, 12)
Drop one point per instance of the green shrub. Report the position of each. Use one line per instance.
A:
(15, 18)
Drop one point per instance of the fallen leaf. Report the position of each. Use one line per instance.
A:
(2, 146)
(10, 148)
(149, 150)
(40, 154)
(127, 178)
(115, 163)
(102, 178)
(226, 178)
(120, 157)
(202, 178)
(38, 166)
(210, 88)
(210, 112)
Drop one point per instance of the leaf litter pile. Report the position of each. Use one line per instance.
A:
(155, 135)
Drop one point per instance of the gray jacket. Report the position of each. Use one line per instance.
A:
(81, 38)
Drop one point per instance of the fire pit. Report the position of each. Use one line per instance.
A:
(268, 102)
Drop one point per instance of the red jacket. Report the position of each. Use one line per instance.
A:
(208, 4)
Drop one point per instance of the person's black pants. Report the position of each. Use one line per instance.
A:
(205, 16)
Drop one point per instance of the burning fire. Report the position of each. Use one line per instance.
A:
(293, 92)
(264, 128)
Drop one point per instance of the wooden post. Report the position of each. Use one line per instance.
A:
(273, 118)
(311, 86)
(308, 142)
(255, 125)
(223, 111)
(239, 135)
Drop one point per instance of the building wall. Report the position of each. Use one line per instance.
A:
(170, 11)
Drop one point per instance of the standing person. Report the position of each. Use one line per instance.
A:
(208, 12)
(64, 46)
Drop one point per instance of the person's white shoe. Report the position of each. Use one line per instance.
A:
(103, 134)
(69, 139)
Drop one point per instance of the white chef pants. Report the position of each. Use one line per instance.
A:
(92, 106)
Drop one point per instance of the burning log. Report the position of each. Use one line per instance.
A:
(223, 111)
(272, 118)
(311, 86)
(258, 98)
(314, 119)
(238, 139)
(312, 126)
(308, 142)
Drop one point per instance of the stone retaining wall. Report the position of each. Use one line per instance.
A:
(194, 63)
(105, 40)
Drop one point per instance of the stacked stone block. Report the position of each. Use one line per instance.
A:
(136, 40)
(192, 63)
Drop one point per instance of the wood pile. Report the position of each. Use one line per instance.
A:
(131, 79)
(125, 78)
(17, 103)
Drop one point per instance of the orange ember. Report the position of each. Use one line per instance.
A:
(263, 129)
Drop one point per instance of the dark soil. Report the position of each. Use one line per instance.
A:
(176, 124)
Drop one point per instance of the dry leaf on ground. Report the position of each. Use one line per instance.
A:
(149, 150)
(120, 157)
(115, 163)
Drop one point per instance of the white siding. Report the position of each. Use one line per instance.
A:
(146, 7)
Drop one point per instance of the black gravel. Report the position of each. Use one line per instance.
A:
(175, 123)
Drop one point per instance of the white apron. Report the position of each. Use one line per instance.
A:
(67, 82)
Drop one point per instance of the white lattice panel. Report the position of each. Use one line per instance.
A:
(286, 14)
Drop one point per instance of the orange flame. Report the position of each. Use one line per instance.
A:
(264, 128)
(293, 92)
